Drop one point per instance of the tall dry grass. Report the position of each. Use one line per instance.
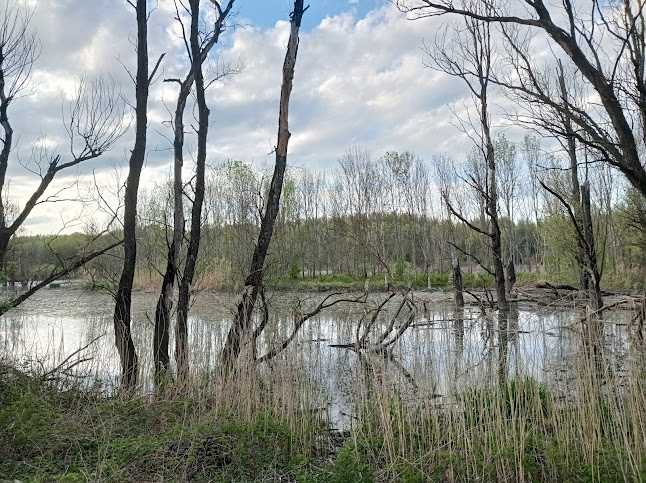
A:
(453, 402)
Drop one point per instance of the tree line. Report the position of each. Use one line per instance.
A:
(370, 217)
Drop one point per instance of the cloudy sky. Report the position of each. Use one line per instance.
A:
(360, 80)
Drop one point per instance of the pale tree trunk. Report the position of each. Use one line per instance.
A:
(253, 283)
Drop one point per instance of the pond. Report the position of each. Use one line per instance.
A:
(445, 351)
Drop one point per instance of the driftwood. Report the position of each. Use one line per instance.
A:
(557, 286)
(390, 334)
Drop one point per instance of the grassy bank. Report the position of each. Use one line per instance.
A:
(322, 283)
(438, 281)
(49, 434)
(514, 431)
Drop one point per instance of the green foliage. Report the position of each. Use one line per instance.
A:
(439, 281)
(47, 435)
(346, 468)
(519, 398)
(294, 270)
(402, 269)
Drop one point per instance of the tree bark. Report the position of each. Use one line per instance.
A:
(511, 277)
(581, 255)
(198, 54)
(123, 298)
(594, 288)
(492, 200)
(181, 332)
(458, 296)
(469, 56)
(165, 301)
(254, 280)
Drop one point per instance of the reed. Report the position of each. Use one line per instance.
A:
(318, 414)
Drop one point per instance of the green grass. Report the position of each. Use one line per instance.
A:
(47, 434)
(108, 286)
(439, 281)
(518, 431)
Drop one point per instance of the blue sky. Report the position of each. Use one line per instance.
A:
(265, 13)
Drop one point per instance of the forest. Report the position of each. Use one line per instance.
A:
(392, 318)
(377, 219)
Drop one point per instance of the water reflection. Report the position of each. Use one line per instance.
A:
(443, 353)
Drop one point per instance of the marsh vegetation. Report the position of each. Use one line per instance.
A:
(530, 395)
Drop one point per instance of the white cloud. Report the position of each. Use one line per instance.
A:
(357, 81)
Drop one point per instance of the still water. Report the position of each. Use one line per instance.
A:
(443, 352)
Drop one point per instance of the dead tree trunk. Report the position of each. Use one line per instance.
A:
(511, 277)
(122, 321)
(468, 55)
(570, 140)
(181, 332)
(594, 276)
(491, 194)
(198, 54)
(458, 296)
(585, 234)
(254, 280)
(165, 301)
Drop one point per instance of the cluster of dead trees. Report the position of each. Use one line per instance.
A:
(591, 98)
(96, 121)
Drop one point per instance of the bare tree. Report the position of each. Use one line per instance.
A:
(254, 281)
(466, 51)
(605, 41)
(123, 297)
(358, 200)
(530, 149)
(94, 120)
(198, 45)
(555, 94)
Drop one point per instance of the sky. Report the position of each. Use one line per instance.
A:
(360, 80)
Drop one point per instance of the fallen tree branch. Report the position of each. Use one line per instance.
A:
(300, 319)
(49, 375)
(12, 303)
(362, 340)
